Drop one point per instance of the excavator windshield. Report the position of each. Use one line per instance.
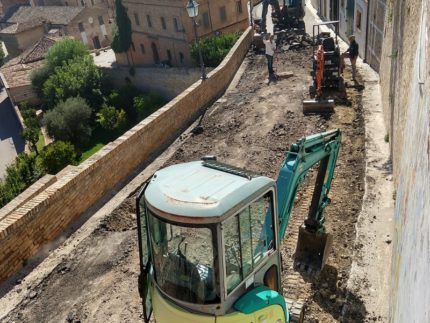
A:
(185, 260)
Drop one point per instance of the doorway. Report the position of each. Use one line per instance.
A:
(155, 53)
(96, 42)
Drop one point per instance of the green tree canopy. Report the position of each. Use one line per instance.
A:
(111, 118)
(147, 104)
(79, 77)
(213, 48)
(2, 55)
(64, 51)
(69, 121)
(57, 155)
(31, 135)
(19, 175)
(59, 54)
(122, 29)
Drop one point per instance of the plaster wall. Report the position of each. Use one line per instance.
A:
(27, 228)
(164, 26)
(405, 83)
(19, 42)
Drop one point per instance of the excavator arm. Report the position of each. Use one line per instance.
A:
(302, 155)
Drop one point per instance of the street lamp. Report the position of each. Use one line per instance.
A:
(193, 12)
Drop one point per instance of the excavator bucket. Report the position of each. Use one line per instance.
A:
(318, 106)
(312, 251)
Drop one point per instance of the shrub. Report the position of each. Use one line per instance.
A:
(69, 121)
(147, 104)
(57, 155)
(19, 175)
(79, 77)
(213, 48)
(64, 51)
(111, 118)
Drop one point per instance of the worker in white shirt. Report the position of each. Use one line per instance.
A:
(270, 51)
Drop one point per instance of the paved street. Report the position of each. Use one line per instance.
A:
(11, 144)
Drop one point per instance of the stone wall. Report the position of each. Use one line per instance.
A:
(169, 82)
(405, 85)
(25, 230)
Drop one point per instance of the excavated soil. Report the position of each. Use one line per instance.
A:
(251, 126)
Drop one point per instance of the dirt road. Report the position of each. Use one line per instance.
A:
(251, 127)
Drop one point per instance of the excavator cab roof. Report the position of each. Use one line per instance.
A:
(202, 191)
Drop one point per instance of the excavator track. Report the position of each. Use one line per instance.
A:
(296, 309)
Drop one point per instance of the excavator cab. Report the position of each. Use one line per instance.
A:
(208, 238)
(210, 234)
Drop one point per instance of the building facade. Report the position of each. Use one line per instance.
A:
(91, 25)
(163, 32)
(6, 6)
(18, 37)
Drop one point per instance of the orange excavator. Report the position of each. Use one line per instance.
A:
(326, 69)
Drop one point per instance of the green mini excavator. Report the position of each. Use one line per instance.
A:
(210, 236)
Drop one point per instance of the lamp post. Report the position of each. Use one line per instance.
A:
(193, 11)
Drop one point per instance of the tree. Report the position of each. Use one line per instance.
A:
(121, 41)
(79, 77)
(57, 155)
(2, 55)
(111, 118)
(69, 121)
(64, 51)
(31, 135)
(214, 49)
(23, 172)
(147, 104)
(59, 54)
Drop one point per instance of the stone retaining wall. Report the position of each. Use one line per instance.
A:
(42, 218)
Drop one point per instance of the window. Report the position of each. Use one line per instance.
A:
(248, 240)
(81, 27)
(169, 56)
(148, 19)
(175, 24)
(184, 260)
(181, 57)
(239, 6)
(101, 22)
(142, 48)
(132, 47)
(222, 13)
(136, 19)
(163, 23)
(206, 20)
(358, 20)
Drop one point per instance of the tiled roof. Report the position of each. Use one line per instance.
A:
(57, 15)
(22, 26)
(17, 71)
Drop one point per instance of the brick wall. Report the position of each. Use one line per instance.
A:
(25, 230)
(405, 85)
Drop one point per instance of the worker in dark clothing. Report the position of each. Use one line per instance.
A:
(274, 4)
(352, 53)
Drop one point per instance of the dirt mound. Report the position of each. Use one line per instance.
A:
(121, 219)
